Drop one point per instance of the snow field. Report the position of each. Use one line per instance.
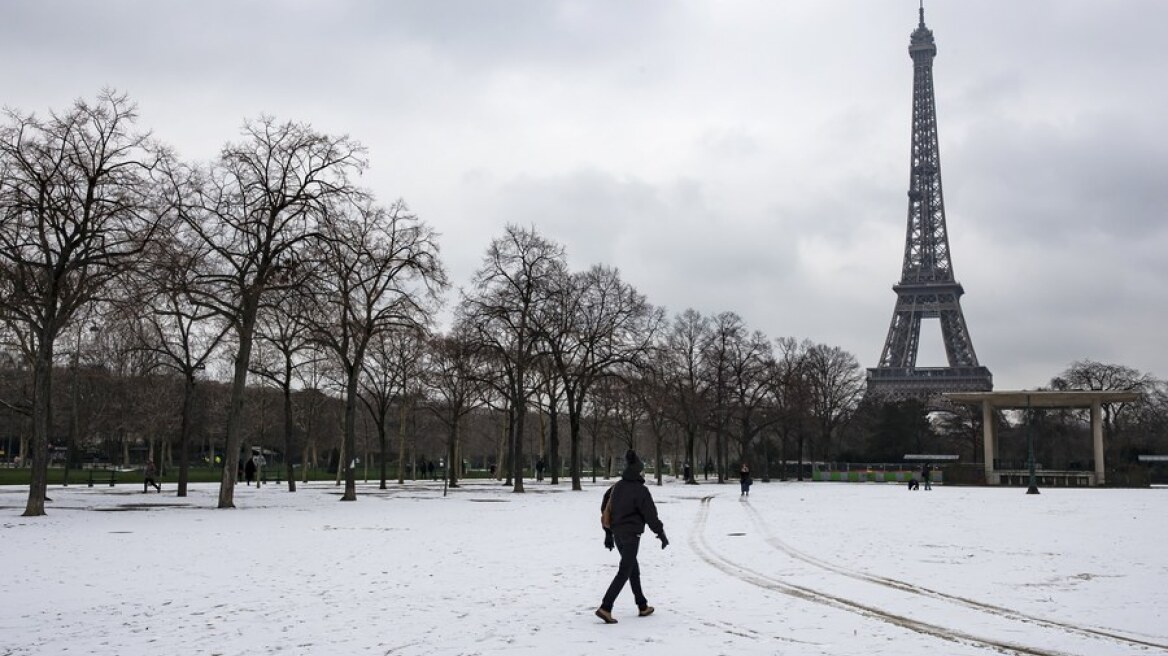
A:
(796, 568)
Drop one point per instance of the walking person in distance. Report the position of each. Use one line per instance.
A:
(249, 470)
(629, 507)
(744, 479)
(148, 477)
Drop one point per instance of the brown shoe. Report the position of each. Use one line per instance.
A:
(606, 616)
(645, 610)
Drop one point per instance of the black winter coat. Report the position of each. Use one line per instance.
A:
(632, 506)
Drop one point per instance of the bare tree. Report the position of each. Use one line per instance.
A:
(76, 208)
(549, 397)
(392, 371)
(592, 323)
(727, 332)
(256, 210)
(792, 393)
(509, 288)
(311, 403)
(378, 270)
(685, 372)
(182, 335)
(454, 381)
(836, 383)
(1092, 375)
(288, 349)
(751, 366)
(649, 384)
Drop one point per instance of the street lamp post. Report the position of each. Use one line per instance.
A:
(1033, 489)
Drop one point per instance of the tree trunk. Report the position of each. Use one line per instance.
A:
(74, 419)
(235, 410)
(574, 438)
(799, 456)
(517, 441)
(401, 443)
(41, 414)
(304, 464)
(452, 454)
(690, 440)
(383, 448)
(499, 453)
(553, 456)
(289, 431)
(184, 435)
(351, 434)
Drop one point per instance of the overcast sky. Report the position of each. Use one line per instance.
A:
(739, 155)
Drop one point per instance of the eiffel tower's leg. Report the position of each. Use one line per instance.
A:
(958, 346)
(904, 334)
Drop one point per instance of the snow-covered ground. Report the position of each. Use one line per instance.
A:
(797, 568)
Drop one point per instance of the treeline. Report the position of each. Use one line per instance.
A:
(265, 299)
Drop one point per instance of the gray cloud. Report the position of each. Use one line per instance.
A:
(748, 156)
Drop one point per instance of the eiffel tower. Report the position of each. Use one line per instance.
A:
(927, 288)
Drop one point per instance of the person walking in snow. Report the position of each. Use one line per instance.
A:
(744, 479)
(148, 477)
(630, 507)
(249, 470)
(926, 475)
(259, 460)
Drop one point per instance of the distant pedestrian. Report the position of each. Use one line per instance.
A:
(927, 475)
(148, 477)
(744, 480)
(913, 483)
(540, 465)
(630, 507)
(259, 460)
(687, 473)
(249, 471)
(430, 470)
(709, 468)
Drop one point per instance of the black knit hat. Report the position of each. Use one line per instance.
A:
(631, 457)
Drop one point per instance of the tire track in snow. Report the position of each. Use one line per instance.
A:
(701, 546)
(902, 586)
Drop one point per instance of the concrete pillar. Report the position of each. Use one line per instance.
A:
(1097, 434)
(987, 431)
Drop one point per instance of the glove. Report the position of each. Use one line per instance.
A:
(608, 543)
(664, 540)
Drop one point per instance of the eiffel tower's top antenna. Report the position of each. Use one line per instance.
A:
(922, 37)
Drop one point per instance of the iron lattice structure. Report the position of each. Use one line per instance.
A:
(927, 288)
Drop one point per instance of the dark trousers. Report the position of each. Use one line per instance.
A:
(629, 570)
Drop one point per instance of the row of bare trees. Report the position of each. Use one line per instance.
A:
(97, 217)
(270, 265)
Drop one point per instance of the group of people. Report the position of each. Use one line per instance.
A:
(743, 475)
(926, 476)
(252, 467)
